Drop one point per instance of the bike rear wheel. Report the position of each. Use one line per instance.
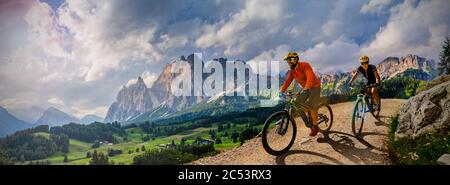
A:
(358, 117)
(325, 118)
(278, 134)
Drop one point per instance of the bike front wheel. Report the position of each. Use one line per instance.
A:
(358, 117)
(278, 134)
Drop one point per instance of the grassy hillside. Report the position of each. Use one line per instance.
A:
(132, 147)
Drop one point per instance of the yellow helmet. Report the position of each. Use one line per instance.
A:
(364, 59)
(291, 54)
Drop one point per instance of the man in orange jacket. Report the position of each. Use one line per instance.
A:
(304, 75)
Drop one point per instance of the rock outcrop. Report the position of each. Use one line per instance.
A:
(410, 65)
(137, 99)
(392, 66)
(131, 101)
(426, 112)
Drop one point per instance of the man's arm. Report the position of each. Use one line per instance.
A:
(377, 76)
(309, 76)
(287, 82)
(354, 75)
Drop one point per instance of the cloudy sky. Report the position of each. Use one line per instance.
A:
(76, 54)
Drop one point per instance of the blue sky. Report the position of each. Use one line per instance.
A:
(54, 3)
(76, 54)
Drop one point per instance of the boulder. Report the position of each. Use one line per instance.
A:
(444, 159)
(426, 112)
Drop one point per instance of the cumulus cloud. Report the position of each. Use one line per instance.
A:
(148, 78)
(273, 55)
(84, 51)
(79, 47)
(341, 54)
(98, 51)
(375, 6)
(254, 23)
(56, 101)
(80, 112)
(419, 29)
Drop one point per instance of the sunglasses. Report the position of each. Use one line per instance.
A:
(364, 63)
(290, 59)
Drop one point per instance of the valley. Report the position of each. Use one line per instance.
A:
(148, 121)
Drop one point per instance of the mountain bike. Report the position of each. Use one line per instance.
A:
(280, 129)
(362, 106)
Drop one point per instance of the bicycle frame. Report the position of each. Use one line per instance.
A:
(366, 95)
(363, 99)
(293, 106)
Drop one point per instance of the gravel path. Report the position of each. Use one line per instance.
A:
(337, 147)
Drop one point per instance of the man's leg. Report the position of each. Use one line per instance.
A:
(314, 100)
(375, 95)
(314, 116)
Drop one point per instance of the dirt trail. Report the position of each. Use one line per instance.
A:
(337, 147)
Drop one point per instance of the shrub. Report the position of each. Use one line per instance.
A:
(425, 149)
(168, 156)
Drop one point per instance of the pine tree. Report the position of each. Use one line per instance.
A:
(99, 159)
(4, 159)
(444, 57)
(66, 159)
(22, 158)
(94, 158)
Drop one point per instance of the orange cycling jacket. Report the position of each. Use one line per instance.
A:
(304, 75)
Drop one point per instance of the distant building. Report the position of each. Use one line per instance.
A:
(202, 141)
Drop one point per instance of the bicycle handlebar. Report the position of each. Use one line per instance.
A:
(371, 85)
(290, 93)
(367, 86)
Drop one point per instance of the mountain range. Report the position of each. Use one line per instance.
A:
(55, 117)
(30, 115)
(9, 123)
(137, 102)
(409, 65)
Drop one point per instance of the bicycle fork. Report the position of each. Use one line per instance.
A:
(363, 110)
(282, 125)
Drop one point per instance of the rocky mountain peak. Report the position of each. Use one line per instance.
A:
(131, 101)
(392, 66)
(54, 117)
(140, 81)
(409, 65)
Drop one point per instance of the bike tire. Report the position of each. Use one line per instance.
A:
(266, 129)
(327, 128)
(356, 129)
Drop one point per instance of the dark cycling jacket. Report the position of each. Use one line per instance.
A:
(371, 70)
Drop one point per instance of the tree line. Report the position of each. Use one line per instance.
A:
(90, 133)
(26, 145)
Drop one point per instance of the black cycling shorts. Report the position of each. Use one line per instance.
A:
(313, 100)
